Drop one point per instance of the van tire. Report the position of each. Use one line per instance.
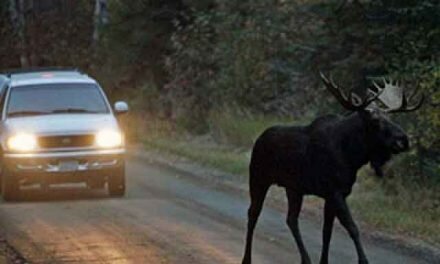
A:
(9, 186)
(116, 182)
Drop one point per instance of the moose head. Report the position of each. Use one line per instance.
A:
(383, 136)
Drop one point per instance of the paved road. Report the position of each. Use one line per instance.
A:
(165, 218)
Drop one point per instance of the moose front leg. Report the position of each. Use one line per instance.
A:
(329, 217)
(295, 202)
(344, 216)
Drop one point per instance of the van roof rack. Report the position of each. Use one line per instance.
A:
(8, 73)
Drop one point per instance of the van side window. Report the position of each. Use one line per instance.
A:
(2, 83)
(2, 96)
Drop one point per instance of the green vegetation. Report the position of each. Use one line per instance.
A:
(225, 159)
(256, 60)
(240, 129)
(389, 206)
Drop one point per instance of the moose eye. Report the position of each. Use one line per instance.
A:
(376, 123)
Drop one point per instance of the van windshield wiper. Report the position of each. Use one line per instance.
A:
(73, 110)
(27, 113)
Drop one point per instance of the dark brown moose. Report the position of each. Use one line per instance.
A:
(323, 158)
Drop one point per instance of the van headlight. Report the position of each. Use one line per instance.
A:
(109, 139)
(22, 142)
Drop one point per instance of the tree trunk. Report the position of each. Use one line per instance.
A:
(18, 21)
(101, 18)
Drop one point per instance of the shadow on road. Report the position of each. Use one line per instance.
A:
(58, 193)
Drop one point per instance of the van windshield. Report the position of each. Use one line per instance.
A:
(56, 99)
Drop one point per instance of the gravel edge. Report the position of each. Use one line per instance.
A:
(9, 254)
(238, 185)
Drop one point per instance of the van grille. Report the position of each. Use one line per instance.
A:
(66, 141)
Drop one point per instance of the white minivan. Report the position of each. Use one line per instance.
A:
(57, 126)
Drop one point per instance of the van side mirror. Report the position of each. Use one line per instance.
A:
(121, 107)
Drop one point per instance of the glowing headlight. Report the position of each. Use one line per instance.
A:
(109, 139)
(22, 142)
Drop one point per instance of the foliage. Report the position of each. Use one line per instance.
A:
(7, 39)
(246, 53)
(139, 30)
(264, 56)
(240, 128)
(48, 35)
(413, 56)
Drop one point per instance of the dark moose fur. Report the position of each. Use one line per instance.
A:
(320, 159)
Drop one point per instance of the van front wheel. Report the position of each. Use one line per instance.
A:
(9, 185)
(116, 182)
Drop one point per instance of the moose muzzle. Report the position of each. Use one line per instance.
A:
(401, 144)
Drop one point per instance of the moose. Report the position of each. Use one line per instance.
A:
(323, 158)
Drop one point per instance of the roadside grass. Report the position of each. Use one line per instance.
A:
(413, 212)
(241, 128)
(225, 159)
(384, 204)
(227, 147)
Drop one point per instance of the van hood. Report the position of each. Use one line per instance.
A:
(61, 124)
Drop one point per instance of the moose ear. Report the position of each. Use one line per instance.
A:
(370, 114)
(374, 114)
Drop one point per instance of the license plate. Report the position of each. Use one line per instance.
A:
(68, 165)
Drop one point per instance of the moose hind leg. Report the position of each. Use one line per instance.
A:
(295, 203)
(258, 194)
(344, 216)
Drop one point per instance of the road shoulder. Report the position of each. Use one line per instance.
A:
(9, 254)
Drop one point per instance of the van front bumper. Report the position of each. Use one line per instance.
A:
(64, 162)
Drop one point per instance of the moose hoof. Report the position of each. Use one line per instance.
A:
(306, 261)
(246, 261)
(363, 261)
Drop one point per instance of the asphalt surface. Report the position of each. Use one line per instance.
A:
(164, 218)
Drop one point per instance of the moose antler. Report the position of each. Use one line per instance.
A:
(394, 98)
(353, 102)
